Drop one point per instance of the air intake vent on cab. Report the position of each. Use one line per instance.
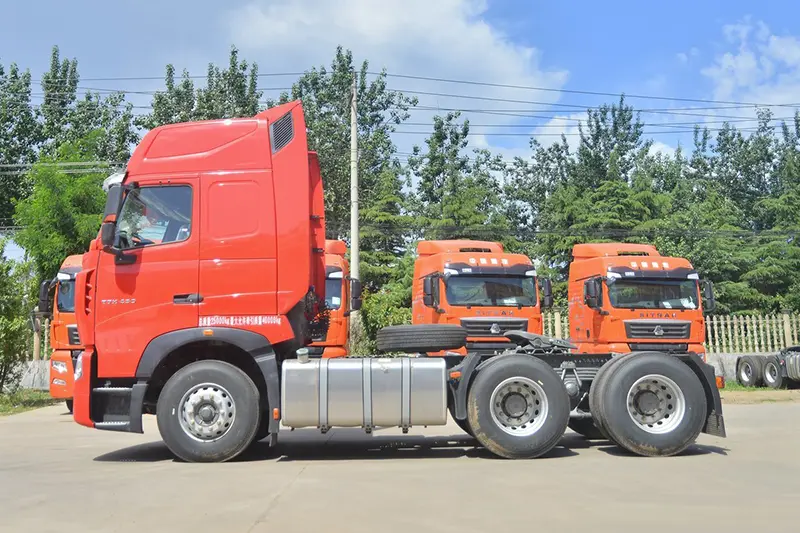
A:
(281, 132)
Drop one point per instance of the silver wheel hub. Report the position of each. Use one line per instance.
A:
(656, 404)
(771, 372)
(519, 406)
(747, 372)
(207, 411)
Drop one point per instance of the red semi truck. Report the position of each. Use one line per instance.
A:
(207, 328)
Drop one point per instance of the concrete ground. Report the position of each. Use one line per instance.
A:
(60, 477)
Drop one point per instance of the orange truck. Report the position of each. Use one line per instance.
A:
(64, 337)
(477, 285)
(628, 297)
(342, 295)
(207, 325)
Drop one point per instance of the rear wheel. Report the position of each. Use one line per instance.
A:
(587, 428)
(773, 378)
(518, 407)
(749, 372)
(208, 411)
(653, 404)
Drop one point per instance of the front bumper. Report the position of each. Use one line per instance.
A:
(61, 374)
(113, 408)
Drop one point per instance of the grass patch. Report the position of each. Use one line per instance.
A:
(24, 400)
(736, 386)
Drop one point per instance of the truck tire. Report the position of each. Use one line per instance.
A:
(773, 377)
(208, 411)
(595, 403)
(653, 404)
(69, 405)
(421, 338)
(749, 371)
(518, 407)
(587, 428)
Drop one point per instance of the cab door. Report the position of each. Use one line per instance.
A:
(151, 286)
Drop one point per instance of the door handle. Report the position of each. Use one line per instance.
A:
(187, 299)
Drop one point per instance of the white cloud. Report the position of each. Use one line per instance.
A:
(439, 38)
(682, 57)
(762, 68)
(659, 147)
(550, 132)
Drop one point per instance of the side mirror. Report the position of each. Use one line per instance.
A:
(107, 230)
(547, 293)
(113, 200)
(45, 305)
(355, 295)
(709, 302)
(591, 295)
(427, 291)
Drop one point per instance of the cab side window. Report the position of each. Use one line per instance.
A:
(155, 215)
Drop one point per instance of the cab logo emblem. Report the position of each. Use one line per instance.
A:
(495, 329)
(658, 331)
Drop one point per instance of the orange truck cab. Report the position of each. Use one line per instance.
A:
(64, 338)
(342, 295)
(628, 297)
(477, 285)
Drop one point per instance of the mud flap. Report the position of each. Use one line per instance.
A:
(715, 424)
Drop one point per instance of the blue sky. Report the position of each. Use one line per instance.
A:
(732, 50)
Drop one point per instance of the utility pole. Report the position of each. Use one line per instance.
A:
(354, 259)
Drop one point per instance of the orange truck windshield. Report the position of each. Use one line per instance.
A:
(333, 292)
(491, 291)
(66, 296)
(652, 294)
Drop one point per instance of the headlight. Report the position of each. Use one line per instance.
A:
(78, 368)
(59, 366)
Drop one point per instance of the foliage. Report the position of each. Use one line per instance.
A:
(14, 330)
(64, 212)
(24, 400)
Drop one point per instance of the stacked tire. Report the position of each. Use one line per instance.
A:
(649, 403)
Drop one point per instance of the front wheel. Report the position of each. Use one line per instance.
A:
(518, 407)
(69, 405)
(208, 411)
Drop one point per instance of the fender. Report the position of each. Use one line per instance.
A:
(253, 343)
(472, 364)
(715, 424)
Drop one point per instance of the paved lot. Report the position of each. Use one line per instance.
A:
(57, 476)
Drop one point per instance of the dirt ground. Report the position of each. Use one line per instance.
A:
(759, 396)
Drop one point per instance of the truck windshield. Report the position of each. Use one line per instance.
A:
(65, 298)
(653, 294)
(333, 293)
(491, 291)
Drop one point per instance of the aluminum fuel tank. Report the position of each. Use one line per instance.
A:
(364, 392)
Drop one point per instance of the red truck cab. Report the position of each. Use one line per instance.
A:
(342, 295)
(477, 285)
(205, 253)
(628, 297)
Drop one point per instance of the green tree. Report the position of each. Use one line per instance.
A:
(19, 137)
(228, 93)
(64, 212)
(60, 87)
(14, 332)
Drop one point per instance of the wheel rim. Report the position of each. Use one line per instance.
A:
(771, 372)
(207, 412)
(519, 406)
(746, 372)
(656, 404)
